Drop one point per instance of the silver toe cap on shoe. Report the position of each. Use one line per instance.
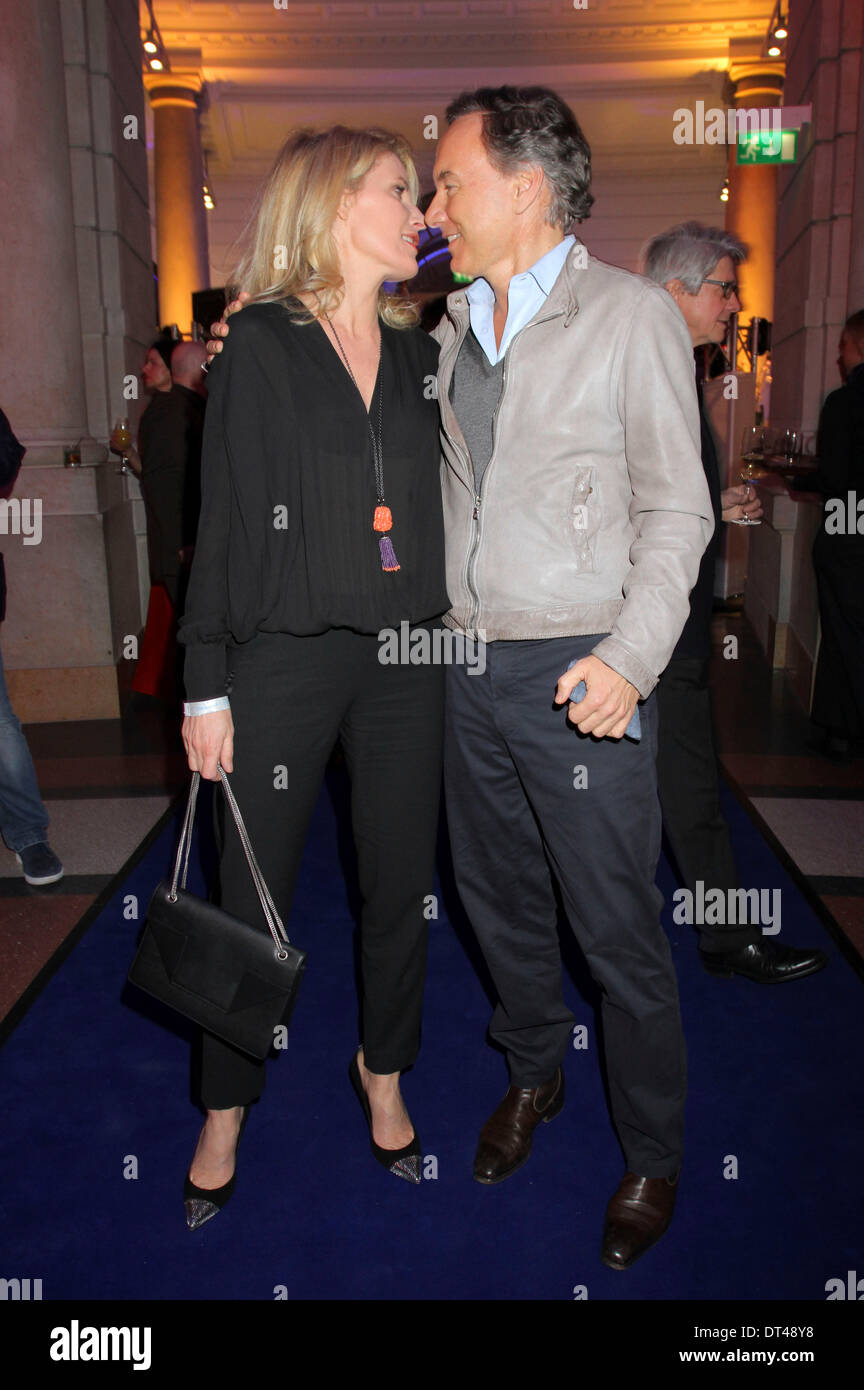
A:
(408, 1168)
(198, 1212)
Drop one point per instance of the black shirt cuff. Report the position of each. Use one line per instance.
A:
(204, 671)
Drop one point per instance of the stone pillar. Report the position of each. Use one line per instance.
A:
(820, 262)
(854, 36)
(41, 363)
(78, 313)
(181, 220)
(751, 212)
(820, 235)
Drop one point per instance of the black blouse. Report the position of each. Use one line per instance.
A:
(285, 540)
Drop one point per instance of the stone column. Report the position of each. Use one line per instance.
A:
(751, 212)
(78, 314)
(820, 263)
(41, 361)
(181, 219)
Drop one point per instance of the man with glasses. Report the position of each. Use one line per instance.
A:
(697, 265)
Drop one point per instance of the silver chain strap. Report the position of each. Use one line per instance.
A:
(268, 907)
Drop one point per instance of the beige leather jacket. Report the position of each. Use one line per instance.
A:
(593, 511)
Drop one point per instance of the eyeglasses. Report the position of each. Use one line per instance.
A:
(729, 287)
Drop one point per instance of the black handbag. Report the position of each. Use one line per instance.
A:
(231, 978)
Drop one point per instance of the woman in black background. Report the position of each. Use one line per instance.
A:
(321, 524)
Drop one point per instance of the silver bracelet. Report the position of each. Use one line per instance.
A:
(193, 707)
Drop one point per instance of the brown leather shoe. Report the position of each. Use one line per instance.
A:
(505, 1139)
(636, 1217)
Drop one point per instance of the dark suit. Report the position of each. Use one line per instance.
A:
(838, 558)
(687, 777)
(169, 442)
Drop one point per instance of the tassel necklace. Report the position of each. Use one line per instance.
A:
(382, 519)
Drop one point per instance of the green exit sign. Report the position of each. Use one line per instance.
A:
(768, 147)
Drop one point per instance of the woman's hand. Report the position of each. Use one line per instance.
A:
(209, 740)
(220, 329)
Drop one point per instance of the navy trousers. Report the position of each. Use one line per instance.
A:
(529, 797)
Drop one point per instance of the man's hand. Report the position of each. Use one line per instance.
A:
(740, 502)
(208, 740)
(220, 331)
(609, 701)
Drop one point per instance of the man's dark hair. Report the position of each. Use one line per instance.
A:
(854, 327)
(165, 346)
(532, 125)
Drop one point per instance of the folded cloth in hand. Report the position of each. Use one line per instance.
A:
(634, 728)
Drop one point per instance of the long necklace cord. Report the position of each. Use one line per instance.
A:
(382, 520)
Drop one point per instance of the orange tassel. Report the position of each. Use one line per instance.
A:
(382, 520)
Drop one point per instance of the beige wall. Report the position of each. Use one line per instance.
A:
(642, 180)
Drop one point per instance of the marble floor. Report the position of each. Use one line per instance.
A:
(107, 786)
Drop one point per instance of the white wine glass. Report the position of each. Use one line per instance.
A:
(120, 441)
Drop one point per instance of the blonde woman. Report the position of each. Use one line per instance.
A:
(320, 526)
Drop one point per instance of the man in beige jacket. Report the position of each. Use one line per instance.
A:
(576, 513)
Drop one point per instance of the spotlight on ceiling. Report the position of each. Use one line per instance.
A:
(778, 30)
(156, 59)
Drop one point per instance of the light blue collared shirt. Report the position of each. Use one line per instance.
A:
(525, 296)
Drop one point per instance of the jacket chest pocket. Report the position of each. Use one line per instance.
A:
(582, 519)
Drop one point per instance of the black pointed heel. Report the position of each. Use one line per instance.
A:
(203, 1203)
(402, 1163)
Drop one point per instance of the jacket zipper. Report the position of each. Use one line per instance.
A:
(470, 570)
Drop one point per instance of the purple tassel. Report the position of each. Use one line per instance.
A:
(388, 555)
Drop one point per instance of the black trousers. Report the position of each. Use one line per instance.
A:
(689, 788)
(291, 698)
(520, 810)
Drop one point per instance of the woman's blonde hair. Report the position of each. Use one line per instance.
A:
(290, 252)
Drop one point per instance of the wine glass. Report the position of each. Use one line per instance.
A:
(792, 441)
(120, 441)
(752, 455)
(753, 443)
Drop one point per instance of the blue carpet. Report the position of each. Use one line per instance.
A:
(96, 1076)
